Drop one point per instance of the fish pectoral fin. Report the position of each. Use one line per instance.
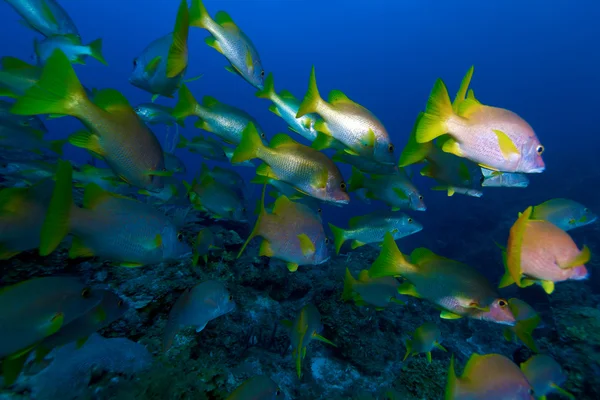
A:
(507, 146)
(79, 249)
(320, 338)
(439, 346)
(408, 289)
(273, 108)
(128, 264)
(233, 70)
(369, 139)
(154, 97)
(453, 147)
(87, 140)
(445, 314)
(320, 126)
(397, 301)
(212, 42)
(562, 391)
(322, 141)
(249, 62)
(475, 305)
(265, 249)
(400, 193)
(351, 152)
(582, 258)
(152, 66)
(292, 267)
(356, 244)
(306, 245)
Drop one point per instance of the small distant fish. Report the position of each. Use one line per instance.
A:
(540, 252)
(492, 137)
(371, 228)
(376, 292)
(225, 121)
(564, 213)
(306, 327)
(397, 191)
(503, 179)
(206, 147)
(228, 39)
(545, 376)
(364, 164)
(219, 200)
(196, 307)
(27, 172)
(117, 135)
(310, 171)
(259, 387)
(286, 106)
(205, 241)
(16, 76)
(225, 175)
(424, 339)
(26, 138)
(30, 121)
(161, 67)
(527, 321)
(152, 113)
(292, 232)
(45, 16)
(460, 290)
(489, 377)
(71, 45)
(348, 122)
(103, 177)
(37, 308)
(174, 163)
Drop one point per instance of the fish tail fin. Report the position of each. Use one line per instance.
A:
(57, 221)
(452, 382)
(96, 50)
(186, 104)
(178, 51)
(357, 180)
(439, 109)
(414, 151)
(259, 220)
(249, 146)
(268, 92)
(408, 345)
(391, 261)
(349, 283)
(339, 237)
(199, 17)
(312, 98)
(57, 92)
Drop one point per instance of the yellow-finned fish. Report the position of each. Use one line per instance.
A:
(564, 213)
(117, 134)
(424, 339)
(367, 291)
(545, 376)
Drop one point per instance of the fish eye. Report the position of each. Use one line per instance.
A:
(343, 185)
(326, 240)
(502, 303)
(85, 293)
(410, 220)
(319, 210)
(262, 135)
(391, 148)
(135, 62)
(120, 303)
(539, 149)
(262, 73)
(586, 210)
(230, 298)
(277, 392)
(482, 179)
(421, 197)
(137, 110)
(180, 236)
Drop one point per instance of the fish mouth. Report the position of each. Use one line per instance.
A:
(536, 170)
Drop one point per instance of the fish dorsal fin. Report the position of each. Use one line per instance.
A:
(337, 96)
(354, 221)
(363, 276)
(209, 102)
(223, 19)
(111, 100)
(281, 139)
(153, 65)
(467, 107)
(286, 94)
(94, 195)
(471, 95)
(462, 91)
(421, 255)
(281, 204)
(14, 64)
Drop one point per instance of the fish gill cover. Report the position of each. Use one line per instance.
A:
(299, 200)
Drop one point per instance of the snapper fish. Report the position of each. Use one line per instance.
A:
(376, 292)
(503, 179)
(45, 16)
(564, 213)
(71, 45)
(545, 376)
(494, 138)
(259, 387)
(424, 339)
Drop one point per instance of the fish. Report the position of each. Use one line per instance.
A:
(372, 227)
(219, 200)
(306, 327)
(225, 175)
(196, 307)
(174, 163)
(161, 67)
(114, 131)
(397, 191)
(37, 308)
(458, 289)
(103, 177)
(545, 376)
(71, 45)
(152, 113)
(289, 191)
(113, 227)
(424, 339)
(30, 172)
(24, 213)
(286, 106)
(376, 292)
(28, 121)
(564, 213)
(308, 170)
(490, 377)
(17, 76)
(229, 40)
(292, 232)
(225, 121)
(258, 387)
(205, 241)
(14, 136)
(491, 178)
(206, 147)
(45, 16)
(494, 138)
(364, 164)
(540, 252)
(348, 122)
(527, 321)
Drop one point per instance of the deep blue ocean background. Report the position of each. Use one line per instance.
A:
(538, 58)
